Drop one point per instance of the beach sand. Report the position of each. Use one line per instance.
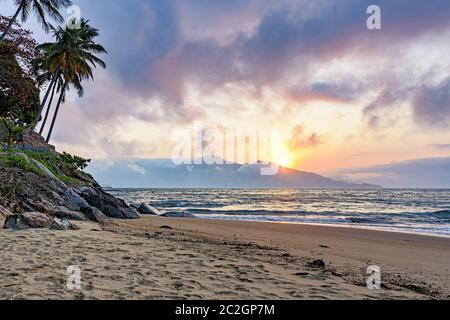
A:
(203, 259)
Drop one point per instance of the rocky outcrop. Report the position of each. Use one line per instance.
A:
(4, 213)
(148, 210)
(65, 213)
(41, 200)
(107, 204)
(31, 140)
(74, 201)
(94, 214)
(28, 220)
(62, 225)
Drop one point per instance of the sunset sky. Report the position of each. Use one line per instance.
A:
(342, 96)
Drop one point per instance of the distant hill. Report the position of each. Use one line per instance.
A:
(164, 174)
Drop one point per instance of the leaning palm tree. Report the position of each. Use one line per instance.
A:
(71, 57)
(42, 8)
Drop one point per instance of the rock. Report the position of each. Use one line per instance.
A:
(52, 184)
(62, 225)
(146, 209)
(45, 170)
(109, 205)
(10, 222)
(317, 264)
(64, 213)
(94, 214)
(35, 219)
(177, 214)
(4, 213)
(74, 201)
(28, 220)
(166, 227)
(135, 205)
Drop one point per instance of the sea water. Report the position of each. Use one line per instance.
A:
(412, 211)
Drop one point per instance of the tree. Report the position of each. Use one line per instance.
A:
(12, 131)
(24, 41)
(73, 56)
(42, 8)
(19, 95)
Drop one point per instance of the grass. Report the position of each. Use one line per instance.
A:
(49, 159)
(15, 161)
(69, 180)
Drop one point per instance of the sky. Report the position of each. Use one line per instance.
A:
(348, 101)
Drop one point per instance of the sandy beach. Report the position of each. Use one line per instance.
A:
(204, 259)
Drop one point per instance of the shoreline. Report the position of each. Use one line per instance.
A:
(345, 226)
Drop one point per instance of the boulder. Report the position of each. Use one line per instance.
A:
(62, 225)
(109, 205)
(4, 213)
(28, 220)
(135, 205)
(10, 222)
(146, 209)
(94, 214)
(74, 201)
(177, 214)
(64, 213)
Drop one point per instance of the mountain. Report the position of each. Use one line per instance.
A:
(165, 174)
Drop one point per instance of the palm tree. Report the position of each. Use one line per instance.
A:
(42, 8)
(72, 55)
(12, 131)
(57, 82)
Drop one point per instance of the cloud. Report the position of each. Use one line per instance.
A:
(304, 51)
(300, 140)
(135, 168)
(440, 146)
(431, 105)
(417, 173)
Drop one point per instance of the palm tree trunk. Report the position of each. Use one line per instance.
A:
(41, 107)
(63, 89)
(48, 110)
(11, 23)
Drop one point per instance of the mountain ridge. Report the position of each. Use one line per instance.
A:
(163, 173)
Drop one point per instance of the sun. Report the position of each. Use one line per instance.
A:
(283, 157)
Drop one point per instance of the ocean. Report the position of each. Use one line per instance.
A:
(411, 211)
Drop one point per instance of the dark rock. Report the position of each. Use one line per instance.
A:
(61, 224)
(10, 222)
(166, 227)
(135, 205)
(317, 264)
(146, 209)
(177, 214)
(28, 220)
(109, 205)
(74, 201)
(64, 213)
(94, 214)
(4, 213)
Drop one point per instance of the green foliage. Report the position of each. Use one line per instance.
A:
(69, 180)
(19, 95)
(61, 165)
(16, 161)
(75, 161)
(11, 131)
